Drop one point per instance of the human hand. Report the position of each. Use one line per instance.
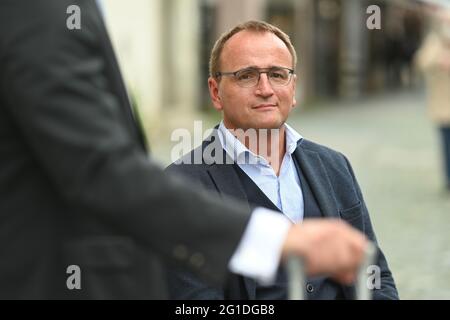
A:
(444, 61)
(327, 246)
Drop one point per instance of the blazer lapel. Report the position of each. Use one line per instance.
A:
(227, 181)
(318, 179)
(221, 169)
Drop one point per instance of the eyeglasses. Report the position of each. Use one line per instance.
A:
(249, 77)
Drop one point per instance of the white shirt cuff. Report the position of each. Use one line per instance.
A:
(259, 251)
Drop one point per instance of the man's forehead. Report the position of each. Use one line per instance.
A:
(251, 38)
(249, 44)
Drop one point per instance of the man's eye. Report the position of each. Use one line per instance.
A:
(278, 75)
(248, 75)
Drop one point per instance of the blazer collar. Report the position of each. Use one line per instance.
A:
(220, 168)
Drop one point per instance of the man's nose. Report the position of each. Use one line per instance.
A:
(264, 88)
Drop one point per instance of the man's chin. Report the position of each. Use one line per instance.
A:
(259, 125)
(268, 125)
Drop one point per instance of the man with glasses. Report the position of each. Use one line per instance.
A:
(254, 156)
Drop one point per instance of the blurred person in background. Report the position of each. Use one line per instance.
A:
(433, 59)
(252, 82)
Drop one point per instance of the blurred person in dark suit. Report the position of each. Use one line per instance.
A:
(77, 187)
(433, 59)
(262, 161)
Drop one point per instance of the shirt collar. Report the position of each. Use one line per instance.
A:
(238, 151)
(292, 138)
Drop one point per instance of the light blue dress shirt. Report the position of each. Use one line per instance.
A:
(283, 190)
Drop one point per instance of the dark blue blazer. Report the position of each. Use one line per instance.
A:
(333, 183)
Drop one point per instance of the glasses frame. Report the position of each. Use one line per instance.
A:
(260, 71)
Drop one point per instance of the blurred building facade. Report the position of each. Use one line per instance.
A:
(164, 46)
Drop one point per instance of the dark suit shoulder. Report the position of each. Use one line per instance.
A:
(337, 168)
(326, 153)
(191, 161)
(191, 166)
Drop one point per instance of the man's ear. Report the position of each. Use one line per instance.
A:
(294, 83)
(213, 86)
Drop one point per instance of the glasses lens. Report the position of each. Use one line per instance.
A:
(247, 77)
(279, 77)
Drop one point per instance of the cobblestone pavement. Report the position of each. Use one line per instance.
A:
(394, 151)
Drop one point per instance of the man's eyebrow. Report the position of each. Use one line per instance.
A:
(256, 67)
